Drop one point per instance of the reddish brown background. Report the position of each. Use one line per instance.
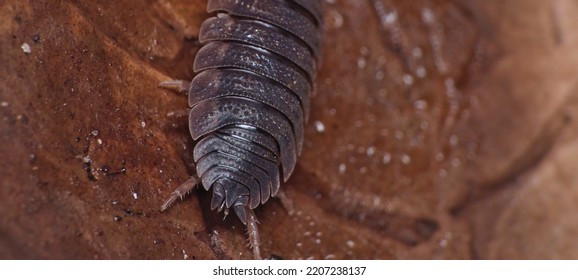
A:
(440, 130)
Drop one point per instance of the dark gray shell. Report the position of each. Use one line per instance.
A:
(251, 96)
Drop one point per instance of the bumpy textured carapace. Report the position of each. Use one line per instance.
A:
(250, 99)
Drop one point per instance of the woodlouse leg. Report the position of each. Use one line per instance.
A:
(253, 233)
(181, 86)
(286, 202)
(183, 189)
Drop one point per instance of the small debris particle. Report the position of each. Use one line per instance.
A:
(361, 63)
(135, 195)
(114, 202)
(443, 243)
(350, 243)
(26, 48)
(389, 18)
(99, 141)
(421, 71)
(370, 151)
(143, 124)
(407, 79)
(4, 104)
(319, 126)
(342, 168)
(36, 38)
(386, 158)
(94, 132)
(420, 104)
(442, 173)
(454, 140)
(117, 218)
(440, 156)
(86, 159)
(330, 257)
(405, 159)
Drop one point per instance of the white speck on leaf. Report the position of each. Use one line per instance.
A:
(26, 48)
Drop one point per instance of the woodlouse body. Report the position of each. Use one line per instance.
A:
(250, 98)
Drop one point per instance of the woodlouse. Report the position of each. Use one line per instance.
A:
(250, 99)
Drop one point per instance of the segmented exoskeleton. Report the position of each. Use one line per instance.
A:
(250, 99)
